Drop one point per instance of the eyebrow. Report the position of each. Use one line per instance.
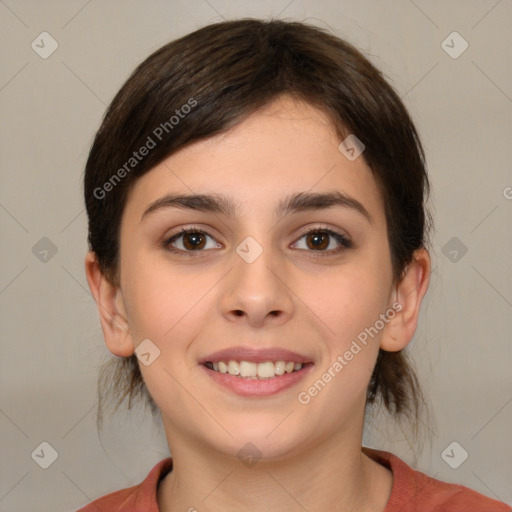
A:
(218, 203)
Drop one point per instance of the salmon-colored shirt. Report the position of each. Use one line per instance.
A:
(412, 491)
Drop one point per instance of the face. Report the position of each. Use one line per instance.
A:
(257, 283)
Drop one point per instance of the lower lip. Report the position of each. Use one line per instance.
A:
(255, 387)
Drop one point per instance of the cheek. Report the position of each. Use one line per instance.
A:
(349, 305)
(159, 298)
(346, 302)
(167, 307)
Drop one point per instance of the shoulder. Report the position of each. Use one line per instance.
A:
(138, 497)
(415, 491)
(119, 501)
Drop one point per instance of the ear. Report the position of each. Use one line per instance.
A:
(406, 298)
(111, 308)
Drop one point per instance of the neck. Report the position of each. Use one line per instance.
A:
(332, 475)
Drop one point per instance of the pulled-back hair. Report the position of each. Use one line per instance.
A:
(212, 79)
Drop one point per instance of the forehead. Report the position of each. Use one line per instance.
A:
(286, 147)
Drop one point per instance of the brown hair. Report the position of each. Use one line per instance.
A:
(225, 72)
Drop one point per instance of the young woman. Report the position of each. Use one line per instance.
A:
(258, 253)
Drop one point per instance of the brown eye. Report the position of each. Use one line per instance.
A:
(319, 240)
(193, 241)
(189, 241)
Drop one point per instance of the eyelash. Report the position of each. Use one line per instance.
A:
(344, 242)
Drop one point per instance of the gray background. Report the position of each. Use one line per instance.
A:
(52, 342)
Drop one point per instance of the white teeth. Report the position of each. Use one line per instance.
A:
(250, 369)
(233, 368)
(280, 367)
(266, 369)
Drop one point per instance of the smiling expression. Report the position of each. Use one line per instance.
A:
(285, 249)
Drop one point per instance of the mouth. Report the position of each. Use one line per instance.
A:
(256, 373)
(253, 370)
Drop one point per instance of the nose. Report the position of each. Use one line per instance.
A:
(258, 293)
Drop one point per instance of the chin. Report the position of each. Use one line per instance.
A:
(264, 436)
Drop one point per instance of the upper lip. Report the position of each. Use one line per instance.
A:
(256, 355)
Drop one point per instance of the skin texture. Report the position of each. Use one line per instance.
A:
(191, 306)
